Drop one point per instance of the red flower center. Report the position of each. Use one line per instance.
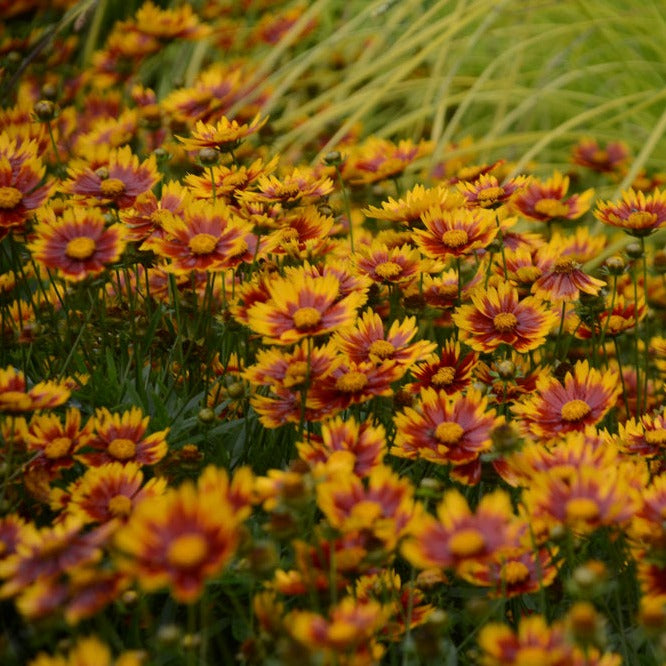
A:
(10, 197)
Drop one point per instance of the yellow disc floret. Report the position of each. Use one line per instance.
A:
(351, 382)
(382, 348)
(467, 542)
(187, 551)
(504, 322)
(582, 508)
(122, 449)
(10, 197)
(306, 318)
(81, 248)
(444, 376)
(575, 410)
(57, 448)
(514, 572)
(388, 269)
(202, 243)
(449, 433)
(120, 505)
(455, 238)
(551, 208)
(112, 187)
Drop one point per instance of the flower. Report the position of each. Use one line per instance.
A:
(534, 643)
(121, 437)
(120, 182)
(145, 219)
(167, 24)
(457, 536)
(645, 437)
(562, 279)
(300, 185)
(486, 191)
(612, 323)
(611, 159)
(56, 442)
(583, 399)
(447, 429)
(224, 136)
(49, 551)
(208, 237)
(78, 244)
(497, 317)
(15, 398)
(365, 441)
(451, 373)
(409, 209)
(637, 214)
(301, 306)
(455, 232)
(518, 571)
(89, 651)
(351, 383)
(366, 341)
(378, 159)
(383, 508)
(111, 491)
(21, 172)
(583, 498)
(545, 201)
(395, 266)
(348, 630)
(179, 540)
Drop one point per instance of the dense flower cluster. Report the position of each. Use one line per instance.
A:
(249, 394)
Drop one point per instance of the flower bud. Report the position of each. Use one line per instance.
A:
(506, 369)
(334, 158)
(45, 110)
(615, 265)
(634, 250)
(208, 157)
(206, 415)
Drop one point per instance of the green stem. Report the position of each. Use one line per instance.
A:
(345, 199)
(634, 279)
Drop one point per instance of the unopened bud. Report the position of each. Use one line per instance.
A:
(334, 158)
(615, 265)
(208, 157)
(634, 250)
(44, 110)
